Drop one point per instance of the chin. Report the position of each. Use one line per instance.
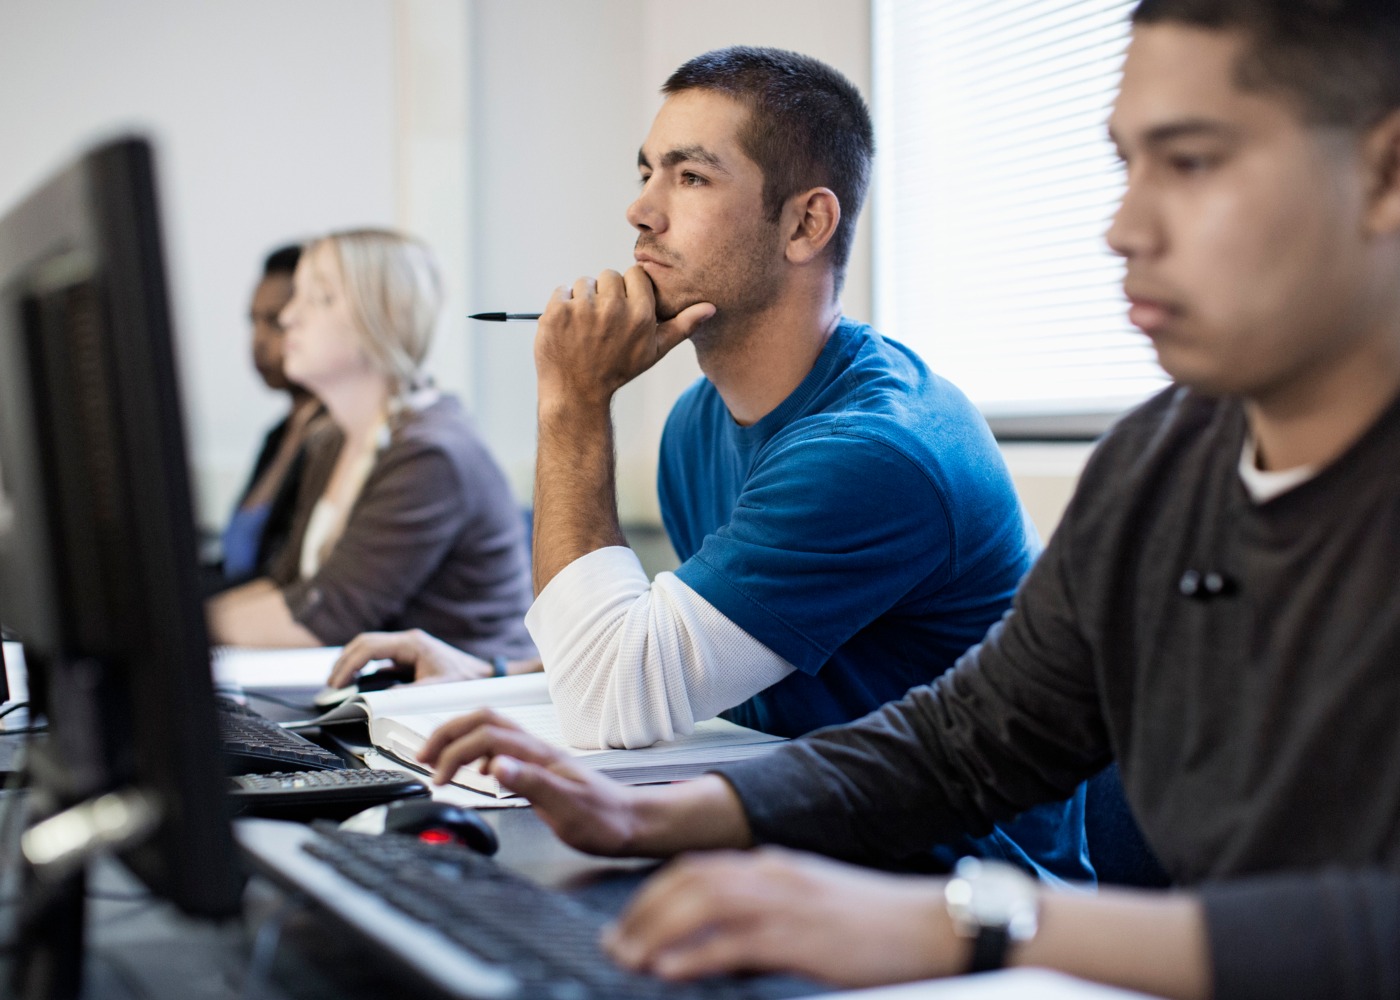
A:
(668, 308)
(1208, 380)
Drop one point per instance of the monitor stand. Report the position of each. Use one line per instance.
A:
(55, 852)
(48, 959)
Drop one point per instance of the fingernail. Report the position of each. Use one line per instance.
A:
(668, 965)
(506, 769)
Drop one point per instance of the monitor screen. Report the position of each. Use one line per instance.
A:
(97, 544)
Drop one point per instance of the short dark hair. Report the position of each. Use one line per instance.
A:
(808, 127)
(283, 260)
(1337, 60)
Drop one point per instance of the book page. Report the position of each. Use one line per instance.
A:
(458, 697)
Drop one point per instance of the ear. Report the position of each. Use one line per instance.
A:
(1381, 149)
(810, 219)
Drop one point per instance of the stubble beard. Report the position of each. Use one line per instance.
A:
(741, 279)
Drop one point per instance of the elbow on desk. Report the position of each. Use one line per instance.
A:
(592, 719)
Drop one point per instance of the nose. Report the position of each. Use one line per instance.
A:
(646, 214)
(286, 319)
(1134, 229)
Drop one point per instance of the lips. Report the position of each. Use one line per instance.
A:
(649, 254)
(1148, 312)
(1148, 316)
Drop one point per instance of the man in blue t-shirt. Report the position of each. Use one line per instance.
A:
(847, 525)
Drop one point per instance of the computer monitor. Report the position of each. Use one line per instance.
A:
(97, 544)
(4, 638)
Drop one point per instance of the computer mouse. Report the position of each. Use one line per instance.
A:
(374, 680)
(430, 821)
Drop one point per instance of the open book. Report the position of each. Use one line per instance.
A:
(401, 719)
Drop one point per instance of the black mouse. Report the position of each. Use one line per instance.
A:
(384, 677)
(438, 823)
(374, 680)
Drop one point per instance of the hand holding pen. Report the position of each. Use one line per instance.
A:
(599, 334)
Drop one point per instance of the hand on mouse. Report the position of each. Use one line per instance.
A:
(430, 659)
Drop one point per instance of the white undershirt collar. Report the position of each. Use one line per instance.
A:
(1264, 486)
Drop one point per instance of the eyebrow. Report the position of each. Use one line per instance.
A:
(1191, 128)
(685, 154)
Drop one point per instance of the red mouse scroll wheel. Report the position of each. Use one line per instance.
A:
(436, 835)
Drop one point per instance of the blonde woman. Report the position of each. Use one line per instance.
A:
(405, 519)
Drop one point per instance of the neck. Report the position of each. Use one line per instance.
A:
(303, 404)
(756, 361)
(358, 405)
(1314, 422)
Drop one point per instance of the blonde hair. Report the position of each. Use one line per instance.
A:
(394, 291)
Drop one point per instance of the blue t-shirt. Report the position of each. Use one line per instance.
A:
(866, 531)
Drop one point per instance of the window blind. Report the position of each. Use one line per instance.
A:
(995, 184)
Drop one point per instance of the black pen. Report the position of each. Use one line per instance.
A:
(502, 317)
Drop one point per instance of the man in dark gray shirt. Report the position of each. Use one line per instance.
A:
(1219, 611)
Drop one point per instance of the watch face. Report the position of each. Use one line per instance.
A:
(1000, 896)
(992, 894)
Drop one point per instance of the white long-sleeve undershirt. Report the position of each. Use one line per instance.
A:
(631, 662)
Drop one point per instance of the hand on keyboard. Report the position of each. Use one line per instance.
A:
(775, 910)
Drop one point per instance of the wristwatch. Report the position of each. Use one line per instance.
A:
(994, 904)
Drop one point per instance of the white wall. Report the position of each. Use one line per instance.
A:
(273, 120)
(1045, 475)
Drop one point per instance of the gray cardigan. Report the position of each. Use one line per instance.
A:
(434, 541)
(1257, 730)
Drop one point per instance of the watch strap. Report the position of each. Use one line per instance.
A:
(989, 948)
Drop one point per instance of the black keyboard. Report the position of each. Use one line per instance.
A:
(254, 744)
(319, 794)
(461, 921)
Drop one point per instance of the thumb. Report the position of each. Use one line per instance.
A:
(682, 325)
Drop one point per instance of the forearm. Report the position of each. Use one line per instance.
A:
(256, 614)
(575, 490)
(703, 814)
(1151, 942)
(633, 661)
(777, 910)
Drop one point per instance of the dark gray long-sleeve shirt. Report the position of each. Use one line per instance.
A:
(1257, 731)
